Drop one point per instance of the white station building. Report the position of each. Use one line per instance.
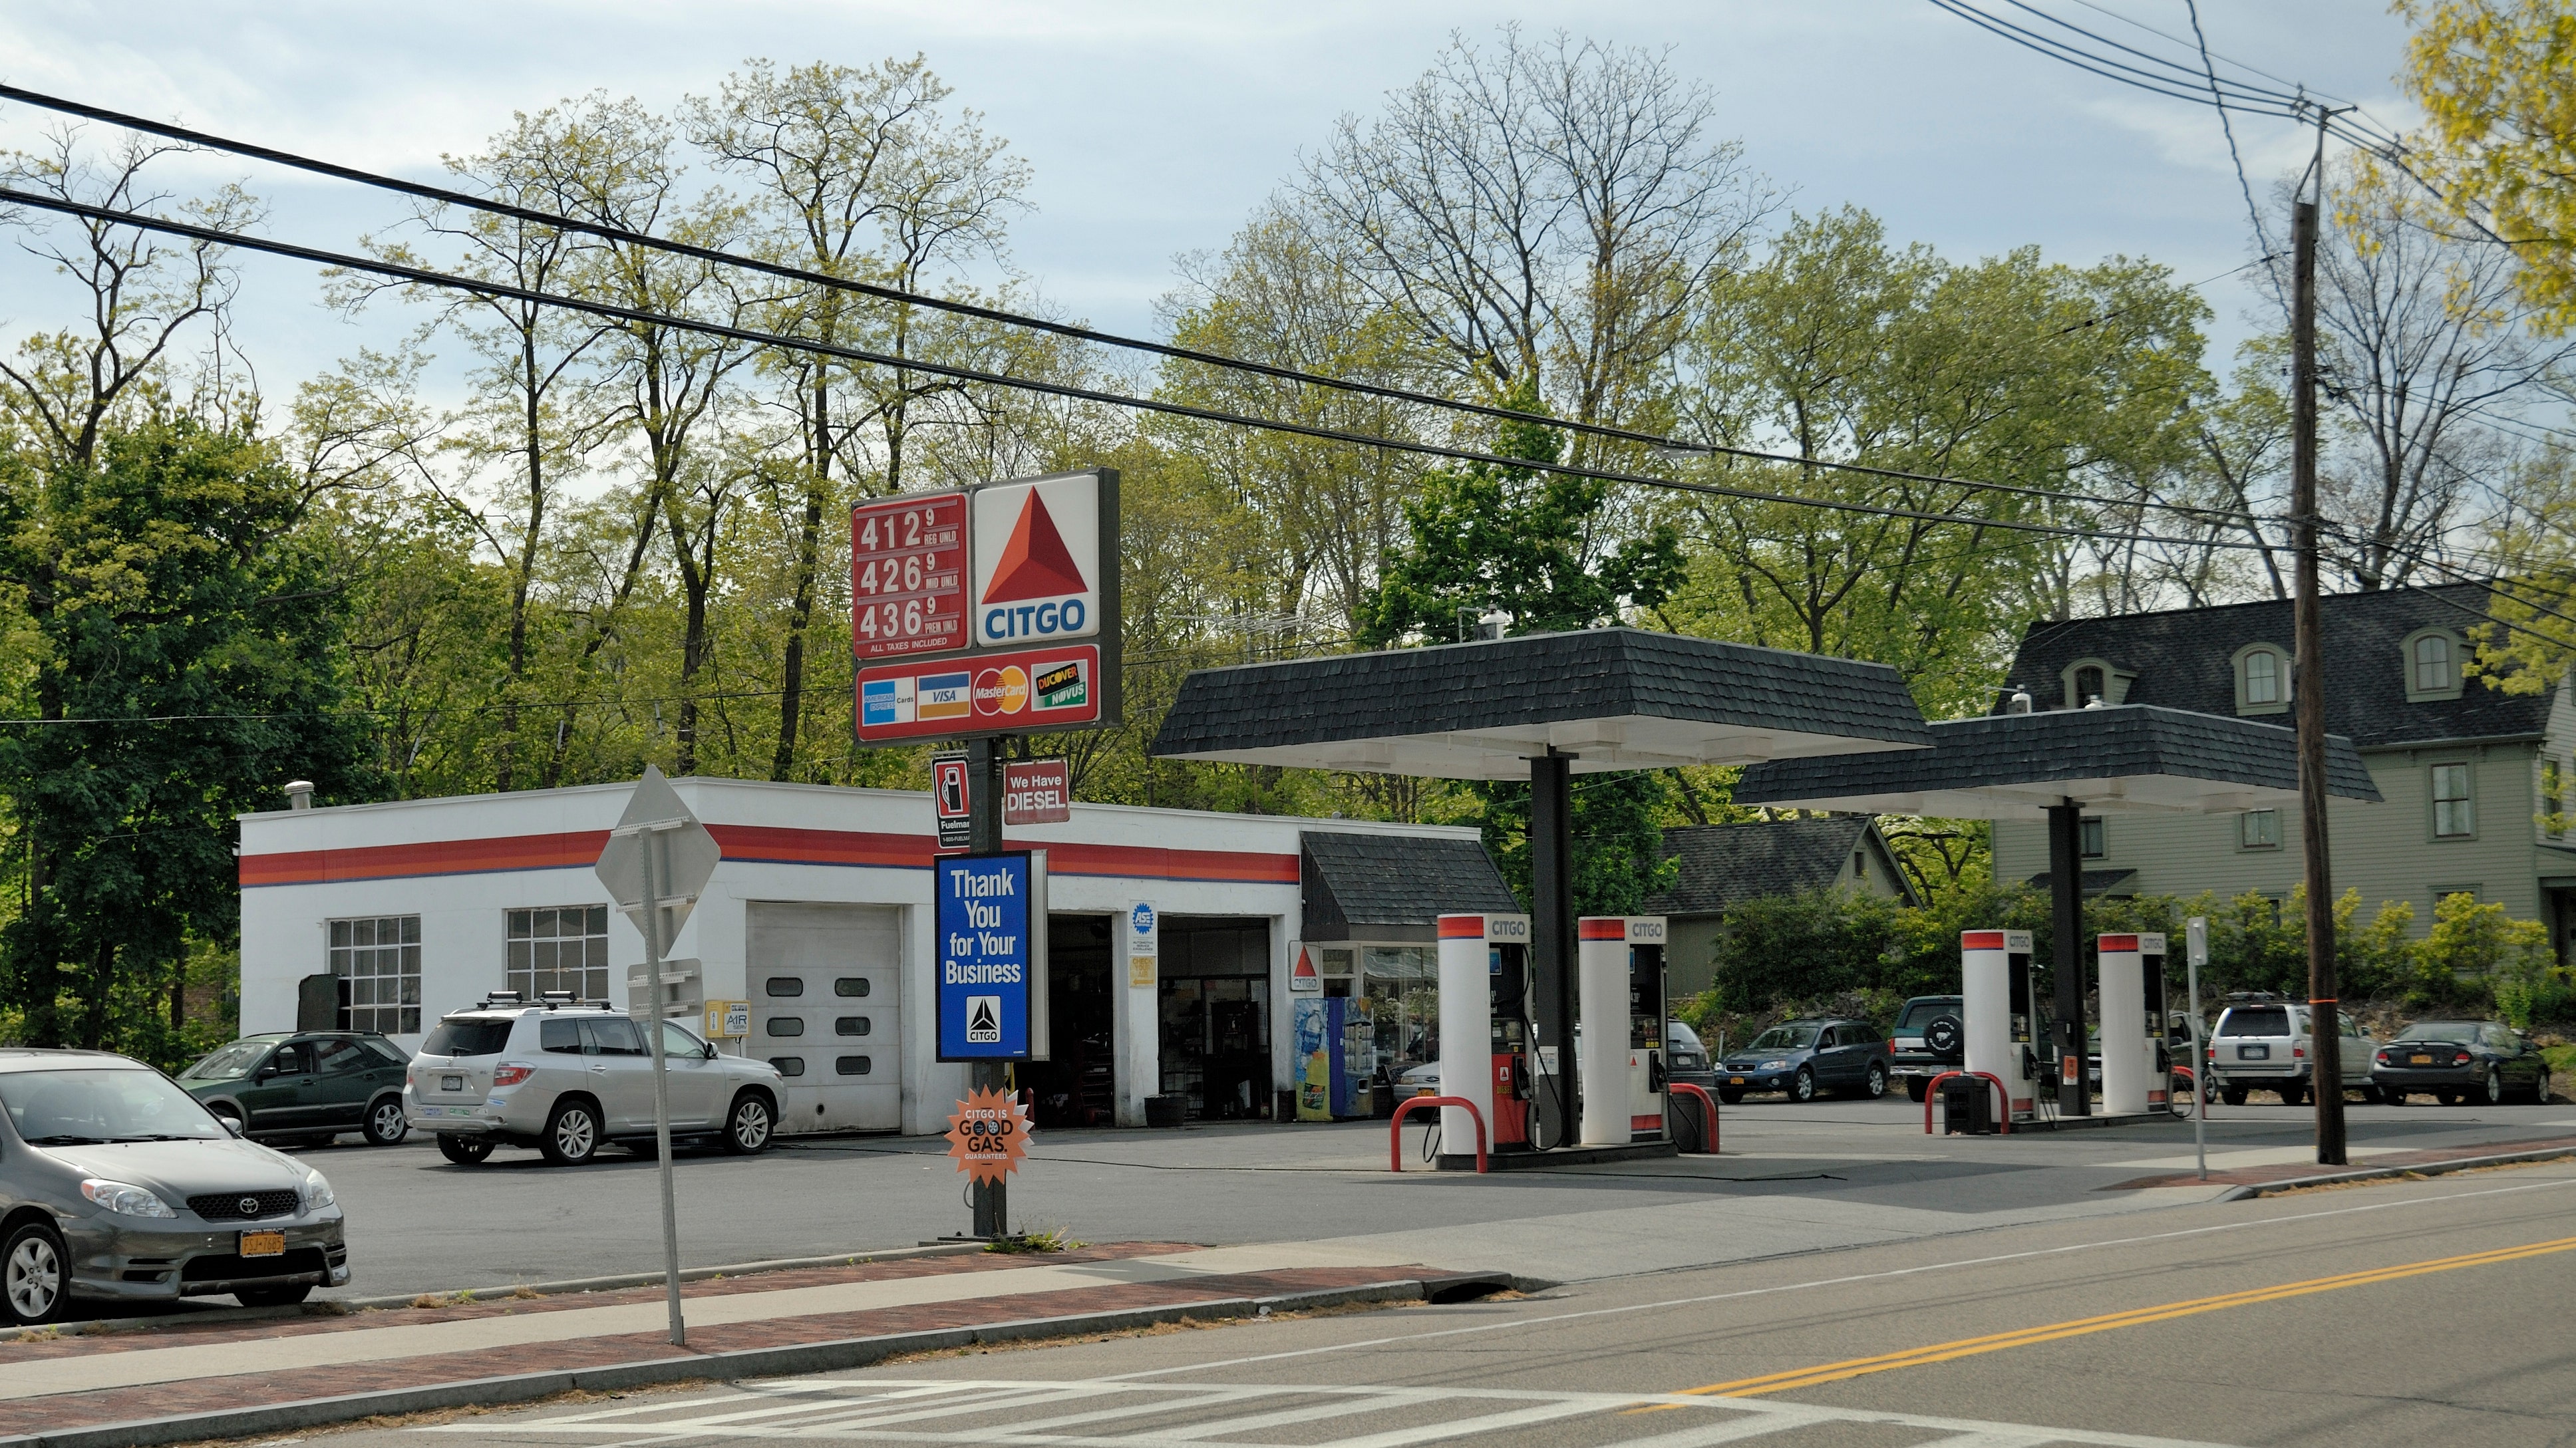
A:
(385, 916)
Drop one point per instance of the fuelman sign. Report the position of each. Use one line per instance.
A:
(1037, 593)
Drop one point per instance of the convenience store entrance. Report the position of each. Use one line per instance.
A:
(1213, 1006)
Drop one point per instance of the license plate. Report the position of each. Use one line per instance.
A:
(2253, 1053)
(2419, 1060)
(1734, 1080)
(263, 1244)
(451, 1083)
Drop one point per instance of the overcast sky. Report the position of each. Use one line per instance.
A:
(1154, 127)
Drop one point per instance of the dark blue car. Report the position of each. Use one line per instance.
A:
(1803, 1058)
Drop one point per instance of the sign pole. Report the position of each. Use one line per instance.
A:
(2196, 933)
(984, 778)
(653, 847)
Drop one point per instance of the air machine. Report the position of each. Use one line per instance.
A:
(1485, 1029)
(1621, 983)
(2137, 1069)
(1996, 1009)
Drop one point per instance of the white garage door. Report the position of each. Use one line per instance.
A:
(824, 982)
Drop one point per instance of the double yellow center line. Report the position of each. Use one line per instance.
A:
(2135, 1317)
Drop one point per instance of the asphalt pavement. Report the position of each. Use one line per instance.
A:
(1792, 1179)
(2411, 1312)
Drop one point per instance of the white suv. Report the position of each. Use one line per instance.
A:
(2264, 1045)
(566, 1076)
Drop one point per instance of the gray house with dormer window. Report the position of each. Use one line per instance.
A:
(2465, 771)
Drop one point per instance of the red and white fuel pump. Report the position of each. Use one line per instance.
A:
(2137, 1071)
(1484, 1028)
(1996, 1009)
(1621, 965)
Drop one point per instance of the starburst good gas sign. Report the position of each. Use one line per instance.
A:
(992, 609)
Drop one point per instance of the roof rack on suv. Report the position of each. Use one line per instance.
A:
(2254, 998)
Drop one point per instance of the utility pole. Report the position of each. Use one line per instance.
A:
(2325, 1037)
(984, 769)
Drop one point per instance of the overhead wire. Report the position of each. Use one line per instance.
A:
(764, 266)
(423, 276)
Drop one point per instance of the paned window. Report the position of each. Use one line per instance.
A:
(2433, 664)
(2088, 685)
(2553, 800)
(377, 958)
(2259, 829)
(2454, 812)
(2096, 842)
(2262, 677)
(564, 947)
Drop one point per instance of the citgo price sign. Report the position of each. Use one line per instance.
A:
(908, 575)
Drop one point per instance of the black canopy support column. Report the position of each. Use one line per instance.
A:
(2066, 914)
(1551, 847)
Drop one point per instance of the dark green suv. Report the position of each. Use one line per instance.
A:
(305, 1085)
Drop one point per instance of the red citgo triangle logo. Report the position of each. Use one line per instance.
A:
(1035, 563)
(1305, 968)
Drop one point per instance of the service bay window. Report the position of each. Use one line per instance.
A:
(560, 948)
(2259, 829)
(377, 958)
(2454, 811)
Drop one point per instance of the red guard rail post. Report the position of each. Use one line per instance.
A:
(2003, 1097)
(1395, 1128)
(1705, 1100)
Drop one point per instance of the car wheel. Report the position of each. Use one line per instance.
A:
(2494, 1088)
(34, 1279)
(1732, 1098)
(2391, 1096)
(463, 1150)
(1874, 1084)
(1802, 1087)
(572, 1133)
(2232, 1095)
(2540, 1090)
(1916, 1088)
(748, 1127)
(272, 1296)
(385, 1123)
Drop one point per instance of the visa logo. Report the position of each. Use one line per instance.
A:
(944, 696)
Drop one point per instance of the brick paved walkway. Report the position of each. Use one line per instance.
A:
(2373, 1161)
(287, 1382)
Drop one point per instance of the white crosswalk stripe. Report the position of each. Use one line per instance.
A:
(1086, 1413)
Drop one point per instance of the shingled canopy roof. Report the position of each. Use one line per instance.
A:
(1394, 887)
(2115, 759)
(1614, 698)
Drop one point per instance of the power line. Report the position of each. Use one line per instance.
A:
(2253, 213)
(719, 257)
(421, 276)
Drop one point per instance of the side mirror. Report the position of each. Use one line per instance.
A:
(231, 1126)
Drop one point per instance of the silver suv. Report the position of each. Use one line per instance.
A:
(2264, 1045)
(566, 1076)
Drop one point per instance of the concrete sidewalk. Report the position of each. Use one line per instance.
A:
(187, 1380)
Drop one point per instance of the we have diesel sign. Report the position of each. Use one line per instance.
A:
(1035, 608)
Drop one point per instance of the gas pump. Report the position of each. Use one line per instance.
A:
(1996, 1007)
(2160, 1062)
(1622, 1069)
(2128, 1051)
(1485, 1028)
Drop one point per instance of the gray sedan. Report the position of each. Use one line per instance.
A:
(115, 1184)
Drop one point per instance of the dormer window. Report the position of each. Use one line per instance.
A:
(2088, 684)
(2262, 680)
(2090, 679)
(2432, 665)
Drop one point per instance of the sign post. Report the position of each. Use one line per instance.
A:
(2196, 948)
(655, 863)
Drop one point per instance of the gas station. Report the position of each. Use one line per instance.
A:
(2058, 766)
(1546, 707)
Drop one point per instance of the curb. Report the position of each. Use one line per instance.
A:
(819, 1357)
(2251, 1190)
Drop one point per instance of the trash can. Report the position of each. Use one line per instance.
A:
(1967, 1106)
(1164, 1110)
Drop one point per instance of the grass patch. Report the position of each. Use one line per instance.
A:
(1045, 1239)
(2562, 1068)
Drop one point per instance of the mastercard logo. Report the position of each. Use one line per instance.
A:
(1001, 691)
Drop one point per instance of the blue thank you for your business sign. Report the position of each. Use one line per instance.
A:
(984, 955)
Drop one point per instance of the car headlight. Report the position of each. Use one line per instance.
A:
(1772, 1066)
(317, 1192)
(126, 1199)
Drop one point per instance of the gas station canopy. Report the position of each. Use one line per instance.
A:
(2124, 758)
(1611, 699)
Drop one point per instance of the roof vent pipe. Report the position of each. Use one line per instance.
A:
(2019, 703)
(299, 794)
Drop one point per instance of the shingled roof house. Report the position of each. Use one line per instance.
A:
(1722, 865)
(2465, 770)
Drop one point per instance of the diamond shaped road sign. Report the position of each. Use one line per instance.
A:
(684, 855)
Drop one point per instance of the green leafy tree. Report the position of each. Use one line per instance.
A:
(182, 651)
